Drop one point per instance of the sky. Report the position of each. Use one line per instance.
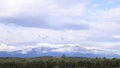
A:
(63, 26)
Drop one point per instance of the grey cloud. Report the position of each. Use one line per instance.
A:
(70, 2)
(27, 22)
(77, 27)
(41, 22)
(103, 38)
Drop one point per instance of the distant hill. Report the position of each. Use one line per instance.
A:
(45, 58)
(34, 53)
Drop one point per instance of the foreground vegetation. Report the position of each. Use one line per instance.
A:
(59, 63)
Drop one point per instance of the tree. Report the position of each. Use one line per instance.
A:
(63, 56)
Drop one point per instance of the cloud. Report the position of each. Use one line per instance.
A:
(44, 14)
(96, 40)
(60, 26)
(110, 47)
(7, 48)
(14, 8)
(23, 50)
(27, 35)
(116, 36)
(59, 48)
(48, 47)
(98, 32)
(40, 22)
(108, 14)
(113, 1)
(95, 5)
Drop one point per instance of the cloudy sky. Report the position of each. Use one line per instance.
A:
(86, 26)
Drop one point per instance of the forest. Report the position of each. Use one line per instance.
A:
(59, 62)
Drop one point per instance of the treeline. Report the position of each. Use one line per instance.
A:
(60, 63)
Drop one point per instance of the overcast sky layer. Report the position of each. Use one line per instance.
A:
(86, 26)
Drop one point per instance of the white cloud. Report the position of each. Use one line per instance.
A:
(116, 36)
(104, 24)
(95, 5)
(59, 41)
(60, 48)
(48, 47)
(51, 11)
(7, 48)
(112, 1)
(13, 8)
(108, 14)
(16, 34)
(25, 49)
(109, 47)
(72, 38)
